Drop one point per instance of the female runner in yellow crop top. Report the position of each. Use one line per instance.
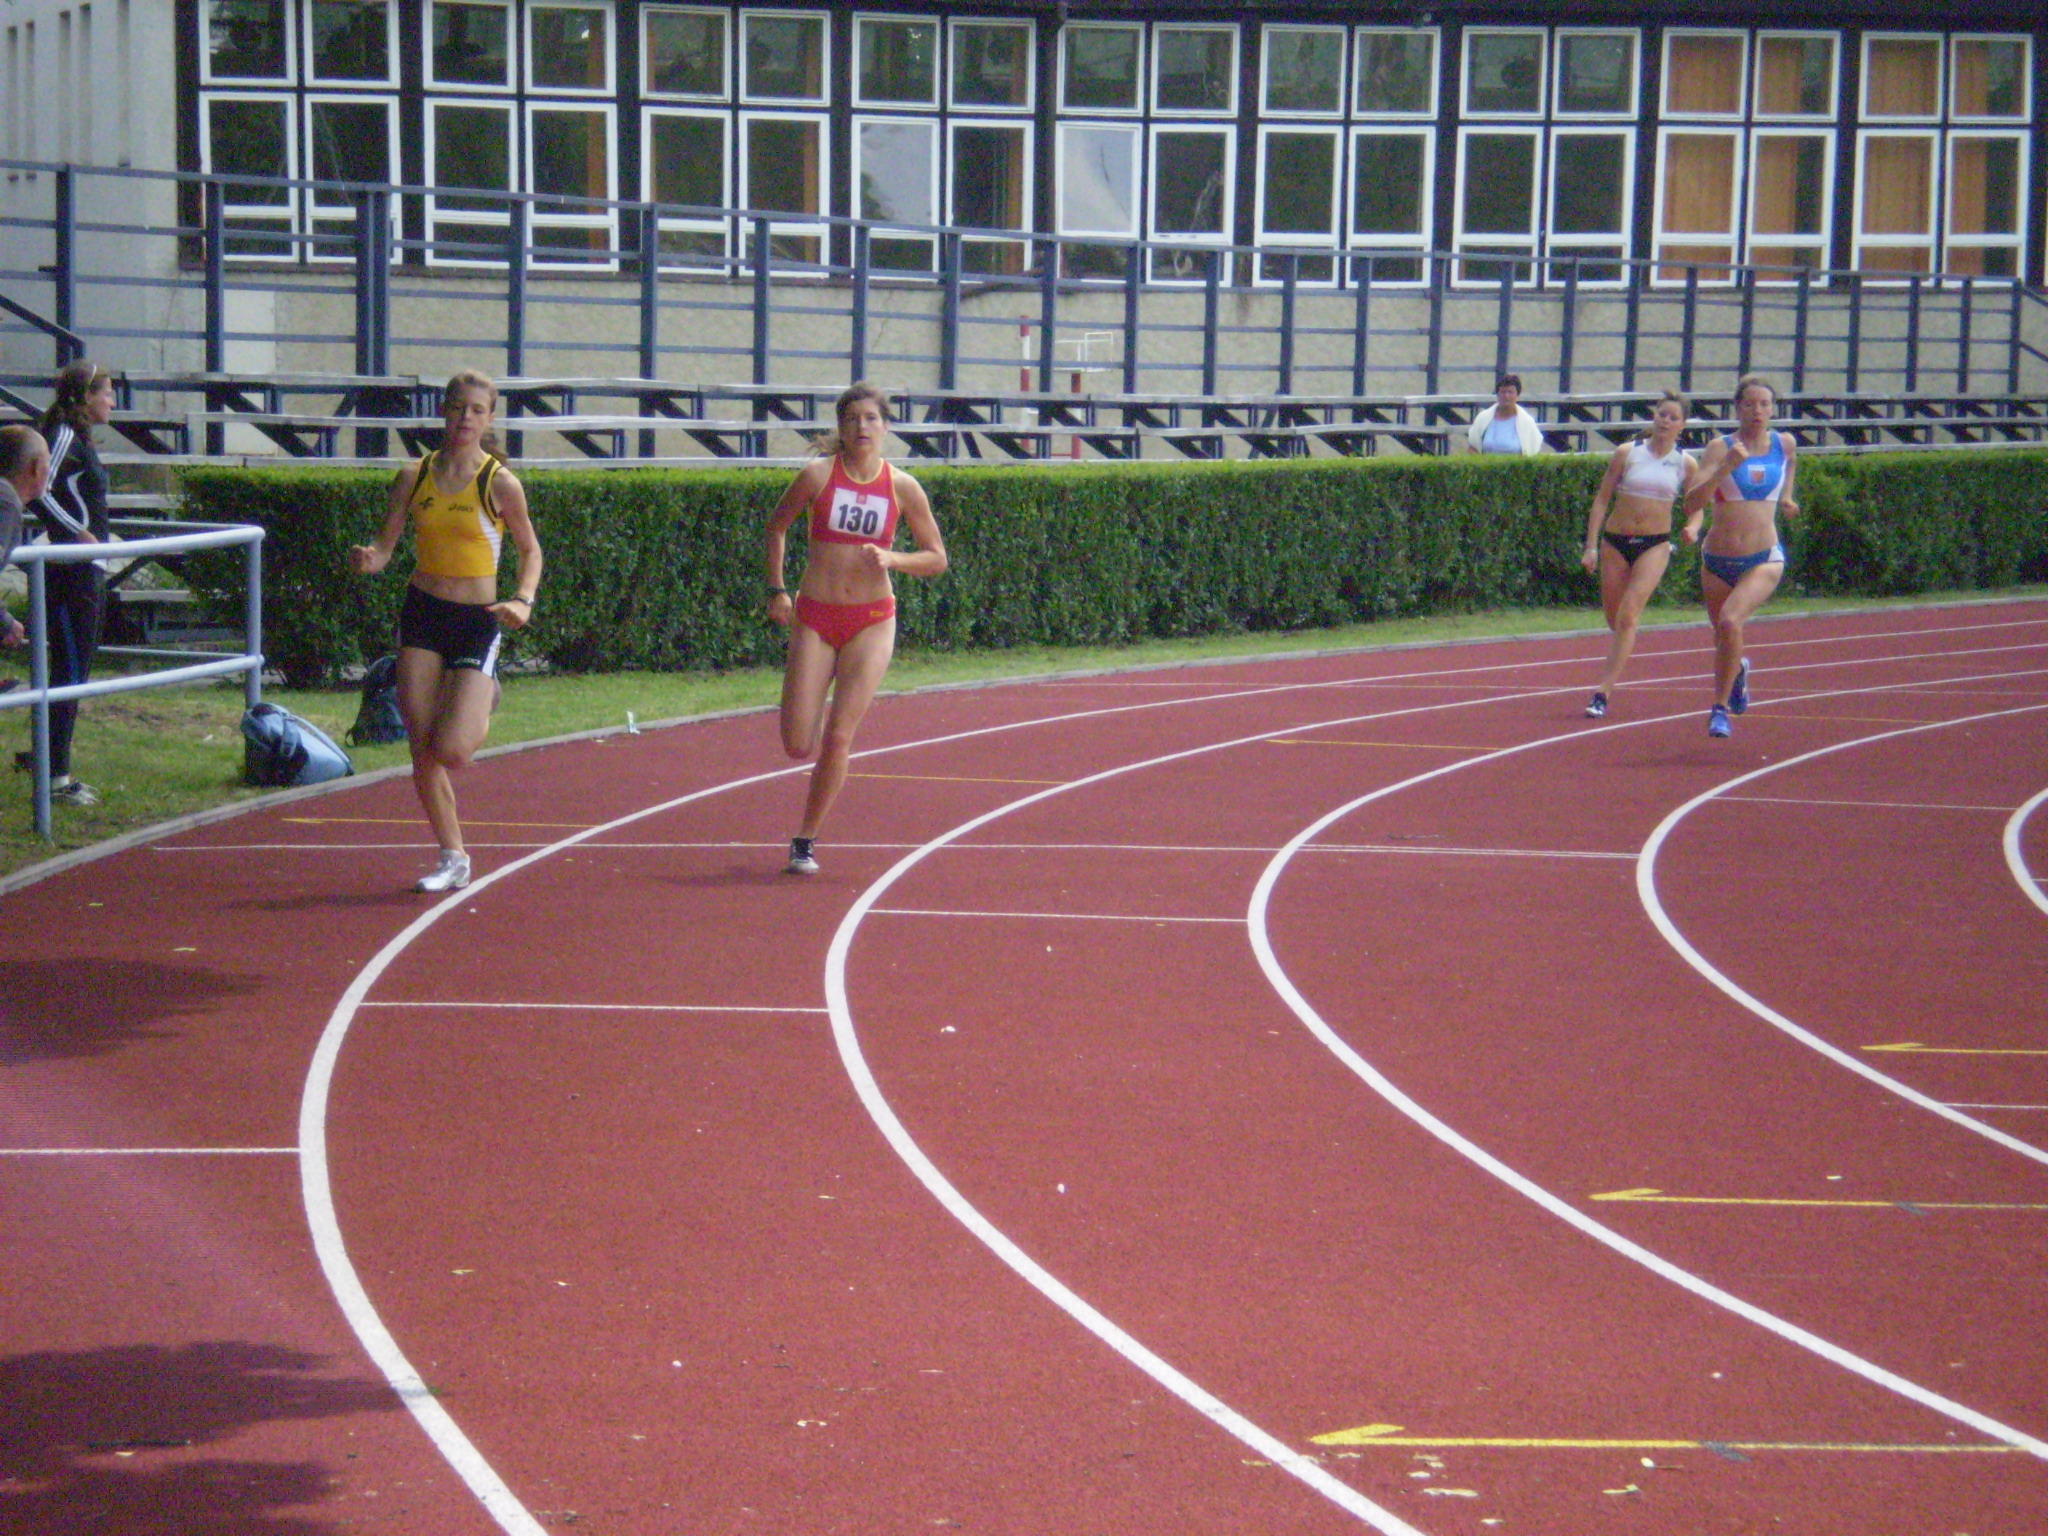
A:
(462, 502)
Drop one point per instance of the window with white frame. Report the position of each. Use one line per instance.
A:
(570, 169)
(991, 65)
(782, 171)
(470, 160)
(469, 45)
(352, 43)
(251, 136)
(686, 164)
(1542, 190)
(348, 139)
(1592, 184)
(783, 56)
(989, 155)
(687, 155)
(1396, 73)
(896, 62)
(1497, 191)
(1194, 69)
(685, 52)
(734, 115)
(248, 42)
(1194, 178)
(1171, 178)
(1938, 188)
(1101, 66)
(1739, 179)
(1301, 71)
(1299, 167)
(1346, 150)
(1392, 173)
(896, 181)
(569, 49)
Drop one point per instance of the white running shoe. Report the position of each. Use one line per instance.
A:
(801, 859)
(451, 874)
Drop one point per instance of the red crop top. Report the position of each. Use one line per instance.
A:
(850, 511)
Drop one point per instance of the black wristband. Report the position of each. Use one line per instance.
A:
(778, 591)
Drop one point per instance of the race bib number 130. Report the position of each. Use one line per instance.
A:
(859, 515)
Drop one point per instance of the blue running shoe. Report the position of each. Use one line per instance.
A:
(1596, 707)
(1738, 695)
(1718, 723)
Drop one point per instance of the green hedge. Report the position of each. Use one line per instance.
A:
(662, 568)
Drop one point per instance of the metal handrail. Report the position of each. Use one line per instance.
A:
(1521, 304)
(39, 695)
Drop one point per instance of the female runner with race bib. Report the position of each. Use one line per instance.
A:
(1747, 475)
(842, 625)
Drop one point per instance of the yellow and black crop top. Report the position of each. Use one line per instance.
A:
(457, 535)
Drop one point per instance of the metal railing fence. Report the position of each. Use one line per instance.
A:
(186, 667)
(185, 267)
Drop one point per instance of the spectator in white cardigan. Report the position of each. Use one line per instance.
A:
(1504, 427)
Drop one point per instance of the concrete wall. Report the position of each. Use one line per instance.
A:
(89, 84)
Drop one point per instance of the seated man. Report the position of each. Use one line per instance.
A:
(24, 471)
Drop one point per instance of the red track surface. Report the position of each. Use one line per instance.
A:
(1285, 1024)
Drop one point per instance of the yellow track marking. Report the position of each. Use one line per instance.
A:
(1915, 1048)
(1658, 1197)
(1392, 1435)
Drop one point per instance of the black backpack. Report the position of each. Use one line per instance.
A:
(278, 749)
(378, 721)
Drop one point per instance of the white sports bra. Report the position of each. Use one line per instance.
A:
(1660, 479)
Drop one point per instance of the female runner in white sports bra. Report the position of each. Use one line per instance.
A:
(1628, 532)
(1747, 475)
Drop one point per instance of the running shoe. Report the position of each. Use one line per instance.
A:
(1717, 721)
(1738, 695)
(1596, 706)
(801, 860)
(74, 792)
(451, 874)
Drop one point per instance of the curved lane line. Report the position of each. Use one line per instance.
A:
(2016, 856)
(846, 1036)
(1646, 888)
(315, 1182)
(1563, 1210)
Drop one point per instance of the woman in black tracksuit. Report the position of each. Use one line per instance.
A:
(73, 511)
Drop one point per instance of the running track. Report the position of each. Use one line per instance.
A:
(1345, 1093)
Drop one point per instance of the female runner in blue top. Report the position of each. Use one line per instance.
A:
(1747, 475)
(842, 626)
(1630, 545)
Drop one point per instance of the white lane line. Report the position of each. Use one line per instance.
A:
(1468, 853)
(594, 1007)
(1868, 805)
(413, 847)
(315, 1178)
(149, 1151)
(1646, 889)
(1054, 917)
(1562, 1209)
(2016, 855)
(2000, 1106)
(331, 1248)
(998, 1242)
